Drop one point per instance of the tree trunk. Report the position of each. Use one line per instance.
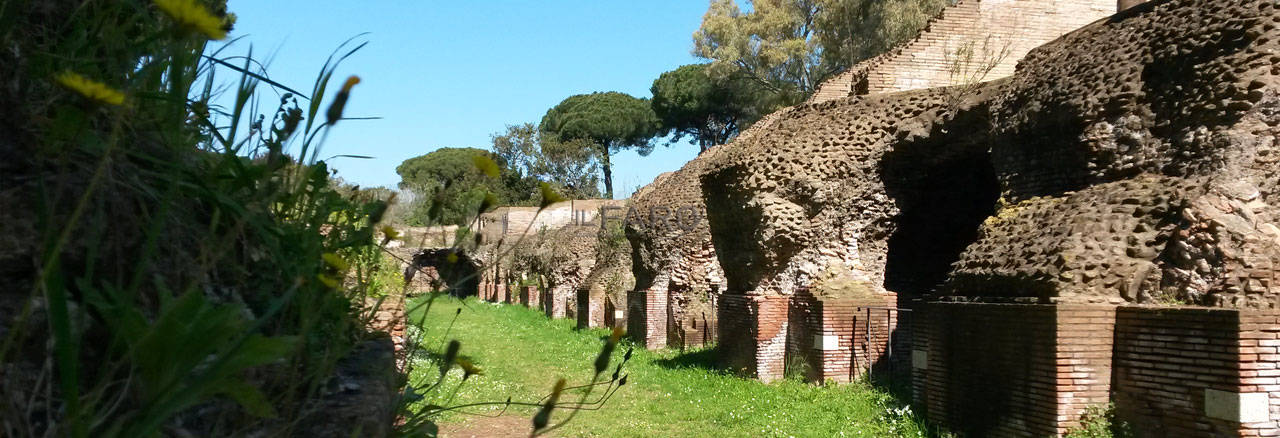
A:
(608, 172)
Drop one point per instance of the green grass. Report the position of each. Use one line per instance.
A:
(667, 393)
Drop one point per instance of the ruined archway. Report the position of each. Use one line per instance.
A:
(457, 272)
(944, 186)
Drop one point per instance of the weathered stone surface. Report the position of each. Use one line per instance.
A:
(1128, 160)
(673, 257)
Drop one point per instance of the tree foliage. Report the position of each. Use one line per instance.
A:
(569, 166)
(451, 186)
(690, 102)
(610, 121)
(791, 46)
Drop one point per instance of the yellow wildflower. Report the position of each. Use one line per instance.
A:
(469, 369)
(390, 232)
(616, 335)
(194, 16)
(350, 82)
(335, 261)
(486, 165)
(93, 90)
(451, 258)
(334, 114)
(327, 280)
(549, 195)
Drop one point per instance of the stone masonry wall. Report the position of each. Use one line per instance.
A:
(1011, 27)
(1007, 370)
(590, 309)
(1197, 372)
(647, 315)
(999, 370)
(753, 335)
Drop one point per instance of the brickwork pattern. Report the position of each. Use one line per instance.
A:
(499, 292)
(556, 301)
(590, 310)
(1012, 27)
(1167, 358)
(1024, 369)
(1259, 365)
(647, 317)
(753, 335)
(997, 370)
(531, 297)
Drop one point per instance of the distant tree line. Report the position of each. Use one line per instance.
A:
(761, 57)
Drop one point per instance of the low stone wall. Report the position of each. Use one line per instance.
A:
(530, 297)
(388, 316)
(823, 339)
(590, 310)
(1197, 372)
(556, 301)
(647, 316)
(999, 370)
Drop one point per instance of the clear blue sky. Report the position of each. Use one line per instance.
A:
(451, 73)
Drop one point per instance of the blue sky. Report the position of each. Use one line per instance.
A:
(451, 73)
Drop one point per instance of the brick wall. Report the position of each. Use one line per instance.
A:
(866, 331)
(753, 334)
(997, 370)
(615, 315)
(556, 301)
(1020, 369)
(590, 310)
(389, 318)
(1259, 364)
(1082, 359)
(1171, 364)
(647, 315)
(531, 297)
(769, 337)
(499, 292)
(1019, 25)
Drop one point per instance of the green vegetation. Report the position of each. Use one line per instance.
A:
(611, 121)
(189, 258)
(451, 188)
(791, 46)
(1100, 422)
(690, 102)
(521, 353)
(569, 166)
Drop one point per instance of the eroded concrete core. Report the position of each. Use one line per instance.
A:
(1130, 160)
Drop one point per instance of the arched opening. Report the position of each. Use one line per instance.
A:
(944, 190)
(458, 273)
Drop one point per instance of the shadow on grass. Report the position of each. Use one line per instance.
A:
(702, 359)
(898, 386)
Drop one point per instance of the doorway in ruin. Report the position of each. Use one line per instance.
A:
(458, 273)
(944, 193)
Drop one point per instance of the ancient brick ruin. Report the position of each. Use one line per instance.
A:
(677, 274)
(558, 259)
(1097, 227)
(1001, 30)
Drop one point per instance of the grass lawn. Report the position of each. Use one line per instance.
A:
(668, 393)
